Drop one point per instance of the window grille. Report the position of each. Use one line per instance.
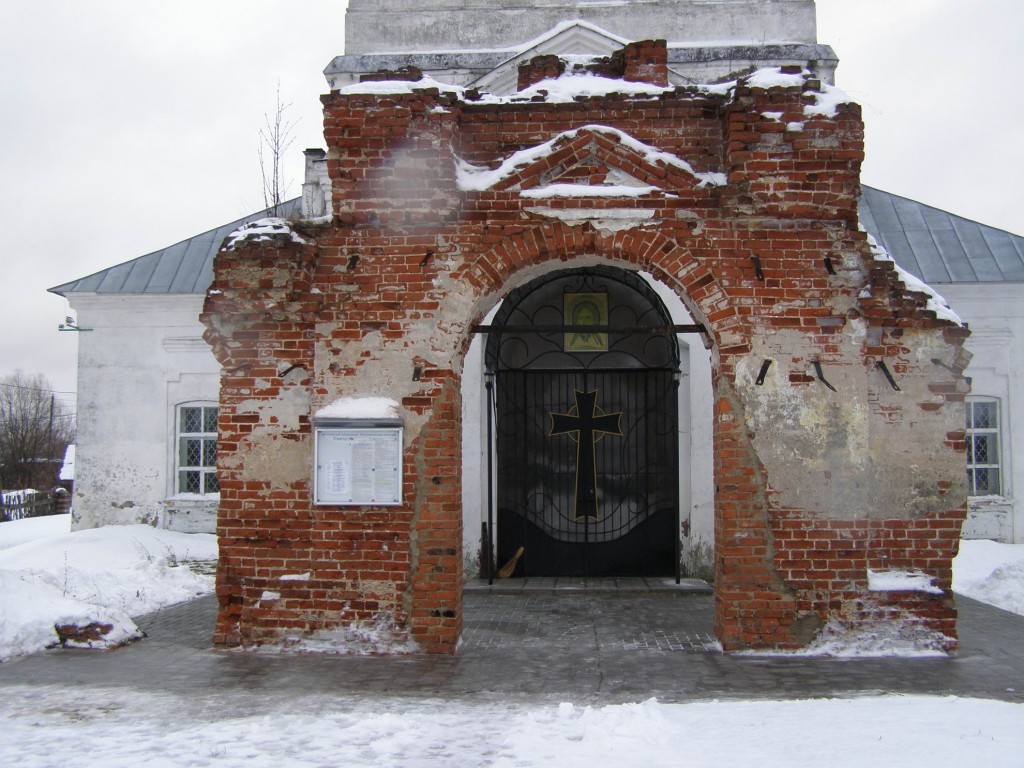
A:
(983, 465)
(197, 449)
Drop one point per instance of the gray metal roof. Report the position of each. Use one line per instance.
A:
(933, 245)
(939, 247)
(185, 267)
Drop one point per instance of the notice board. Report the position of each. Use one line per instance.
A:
(358, 465)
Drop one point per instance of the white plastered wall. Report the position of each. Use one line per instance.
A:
(995, 314)
(142, 357)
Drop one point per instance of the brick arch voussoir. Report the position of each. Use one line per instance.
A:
(651, 251)
(564, 154)
(677, 267)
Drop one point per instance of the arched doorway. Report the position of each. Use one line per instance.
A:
(585, 425)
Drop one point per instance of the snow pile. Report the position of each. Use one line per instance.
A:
(37, 613)
(57, 726)
(357, 639)
(882, 639)
(826, 101)
(99, 577)
(570, 87)
(992, 573)
(398, 87)
(837, 639)
(360, 408)
(262, 230)
(48, 526)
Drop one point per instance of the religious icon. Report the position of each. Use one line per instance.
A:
(586, 426)
(586, 309)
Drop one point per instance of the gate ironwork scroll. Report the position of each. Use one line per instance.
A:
(586, 427)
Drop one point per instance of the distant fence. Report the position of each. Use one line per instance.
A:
(19, 505)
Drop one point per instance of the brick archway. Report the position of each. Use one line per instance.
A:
(838, 441)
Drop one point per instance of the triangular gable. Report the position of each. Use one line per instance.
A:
(592, 160)
(571, 38)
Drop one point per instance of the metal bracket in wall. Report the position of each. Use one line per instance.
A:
(353, 261)
(888, 375)
(757, 267)
(821, 376)
(763, 372)
(829, 267)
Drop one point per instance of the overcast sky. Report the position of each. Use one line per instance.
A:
(129, 125)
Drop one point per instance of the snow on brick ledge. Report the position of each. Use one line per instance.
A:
(936, 303)
(902, 581)
(262, 230)
(472, 178)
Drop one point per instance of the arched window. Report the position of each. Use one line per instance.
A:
(983, 451)
(197, 449)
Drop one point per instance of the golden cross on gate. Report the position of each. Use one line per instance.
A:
(589, 425)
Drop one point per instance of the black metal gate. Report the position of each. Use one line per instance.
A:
(586, 428)
(588, 472)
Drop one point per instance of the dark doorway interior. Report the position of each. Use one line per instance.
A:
(586, 427)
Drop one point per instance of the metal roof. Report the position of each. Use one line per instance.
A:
(185, 267)
(933, 245)
(939, 247)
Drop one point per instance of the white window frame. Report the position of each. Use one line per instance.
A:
(992, 462)
(207, 466)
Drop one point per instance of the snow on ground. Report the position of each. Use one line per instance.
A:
(19, 531)
(53, 726)
(118, 570)
(992, 573)
(50, 577)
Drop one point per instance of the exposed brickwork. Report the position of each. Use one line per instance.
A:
(771, 261)
(539, 68)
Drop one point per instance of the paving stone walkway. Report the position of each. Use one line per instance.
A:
(587, 645)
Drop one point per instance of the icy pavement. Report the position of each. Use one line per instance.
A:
(578, 678)
(55, 726)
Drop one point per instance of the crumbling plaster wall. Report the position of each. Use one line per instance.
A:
(858, 451)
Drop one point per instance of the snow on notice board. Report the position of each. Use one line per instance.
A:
(360, 408)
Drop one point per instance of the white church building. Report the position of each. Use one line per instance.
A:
(148, 382)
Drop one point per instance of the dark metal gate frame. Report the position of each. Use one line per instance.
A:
(489, 379)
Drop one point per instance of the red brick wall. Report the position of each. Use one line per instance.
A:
(380, 302)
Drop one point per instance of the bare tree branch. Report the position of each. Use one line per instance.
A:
(35, 430)
(275, 139)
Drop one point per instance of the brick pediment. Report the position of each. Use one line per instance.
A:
(590, 161)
